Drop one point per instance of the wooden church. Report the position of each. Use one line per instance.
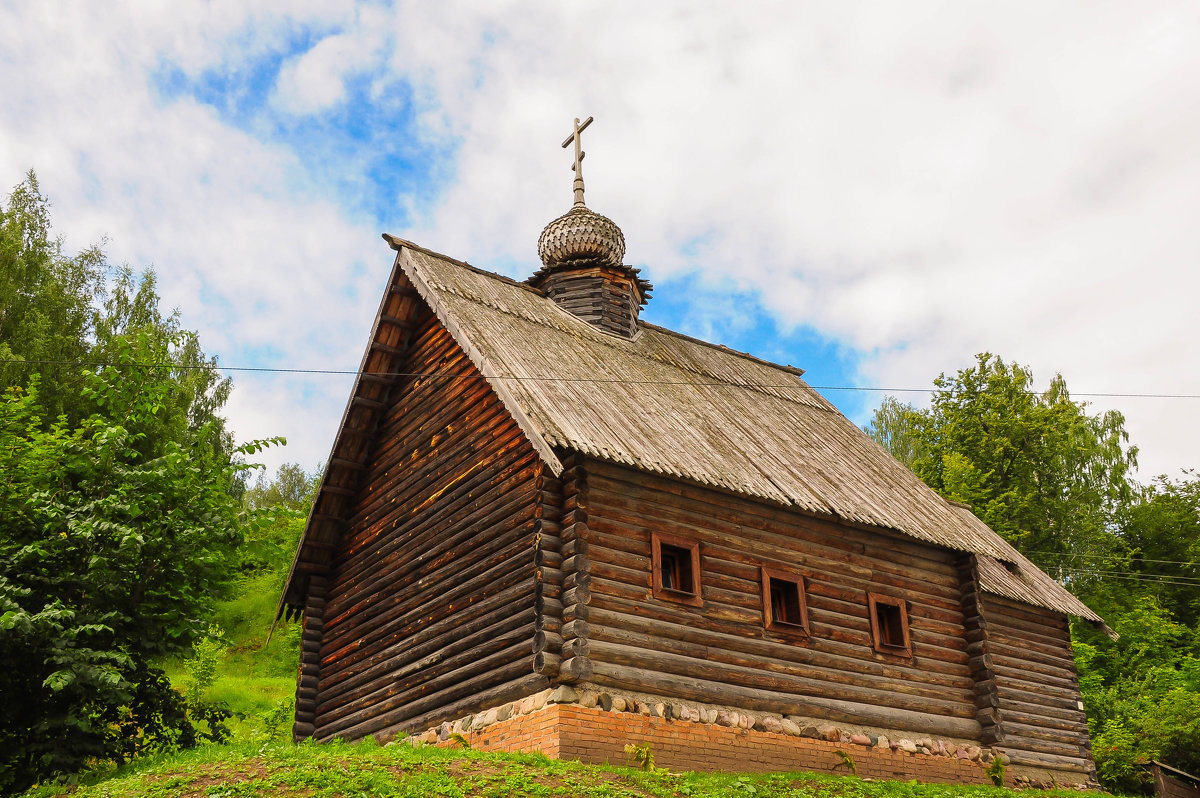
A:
(548, 525)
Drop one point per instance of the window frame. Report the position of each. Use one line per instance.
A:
(657, 541)
(802, 629)
(874, 601)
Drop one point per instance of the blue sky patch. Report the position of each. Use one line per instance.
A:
(718, 313)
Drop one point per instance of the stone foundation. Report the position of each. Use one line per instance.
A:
(595, 728)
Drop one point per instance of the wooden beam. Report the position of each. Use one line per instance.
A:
(370, 404)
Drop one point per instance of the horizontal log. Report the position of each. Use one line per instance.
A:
(736, 554)
(490, 584)
(553, 575)
(477, 674)
(462, 514)
(458, 473)
(1017, 672)
(1051, 717)
(676, 499)
(784, 656)
(575, 612)
(548, 606)
(574, 547)
(449, 641)
(547, 641)
(1074, 764)
(546, 663)
(576, 563)
(1023, 743)
(503, 552)
(576, 628)
(452, 702)
(576, 647)
(521, 686)
(698, 689)
(394, 351)
(1019, 610)
(576, 595)
(1076, 736)
(549, 483)
(575, 669)
(894, 693)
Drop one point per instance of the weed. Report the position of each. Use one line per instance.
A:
(847, 761)
(640, 756)
(995, 771)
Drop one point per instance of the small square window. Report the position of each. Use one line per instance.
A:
(784, 606)
(675, 563)
(889, 624)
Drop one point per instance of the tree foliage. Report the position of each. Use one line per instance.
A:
(1037, 467)
(280, 506)
(1054, 480)
(120, 505)
(48, 301)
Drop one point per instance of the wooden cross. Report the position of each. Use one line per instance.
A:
(579, 153)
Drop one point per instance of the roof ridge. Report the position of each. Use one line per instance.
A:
(398, 243)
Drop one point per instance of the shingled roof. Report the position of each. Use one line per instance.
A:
(670, 404)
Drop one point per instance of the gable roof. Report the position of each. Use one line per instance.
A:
(673, 405)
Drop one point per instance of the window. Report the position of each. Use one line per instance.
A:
(675, 563)
(889, 624)
(784, 606)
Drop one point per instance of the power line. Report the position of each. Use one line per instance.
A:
(516, 378)
(1144, 579)
(1191, 563)
(1178, 578)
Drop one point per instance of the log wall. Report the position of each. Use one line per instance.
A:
(430, 610)
(1042, 723)
(720, 652)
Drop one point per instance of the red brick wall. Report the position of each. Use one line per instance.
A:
(569, 731)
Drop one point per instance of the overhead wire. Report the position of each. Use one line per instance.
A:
(1141, 578)
(520, 378)
(1108, 556)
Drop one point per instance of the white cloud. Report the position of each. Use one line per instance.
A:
(920, 181)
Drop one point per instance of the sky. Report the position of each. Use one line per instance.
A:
(873, 192)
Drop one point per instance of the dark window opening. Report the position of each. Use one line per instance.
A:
(891, 630)
(675, 569)
(785, 602)
(889, 625)
(784, 607)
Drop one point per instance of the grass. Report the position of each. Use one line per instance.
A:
(365, 769)
(256, 681)
(252, 677)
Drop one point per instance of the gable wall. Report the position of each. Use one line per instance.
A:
(430, 608)
(721, 652)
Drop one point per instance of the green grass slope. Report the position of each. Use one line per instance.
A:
(254, 679)
(285, 770)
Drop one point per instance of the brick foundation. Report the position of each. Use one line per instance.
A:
(570, 731)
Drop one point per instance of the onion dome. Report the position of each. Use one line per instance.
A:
(581, 234)
(581, 254)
